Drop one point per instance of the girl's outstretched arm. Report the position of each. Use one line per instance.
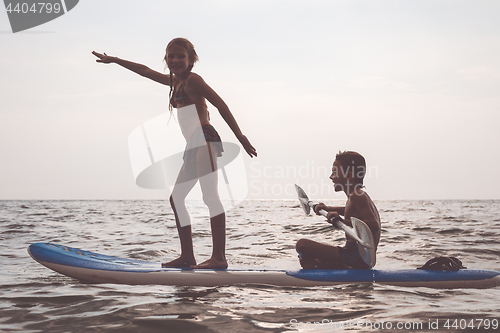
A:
(204, 89)
(134, 67)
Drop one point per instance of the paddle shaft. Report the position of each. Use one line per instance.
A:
(339, 224)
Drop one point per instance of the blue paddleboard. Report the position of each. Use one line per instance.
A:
(93, 267)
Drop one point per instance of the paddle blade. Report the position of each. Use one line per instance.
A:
(303, 199)
(364, 233)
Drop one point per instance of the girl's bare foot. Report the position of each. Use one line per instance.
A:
(180, 263)
(212, 263)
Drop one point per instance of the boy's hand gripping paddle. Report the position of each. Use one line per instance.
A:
(359, 231)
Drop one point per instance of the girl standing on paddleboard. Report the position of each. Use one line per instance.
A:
(188, 93)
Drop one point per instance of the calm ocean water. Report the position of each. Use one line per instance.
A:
(260, 234)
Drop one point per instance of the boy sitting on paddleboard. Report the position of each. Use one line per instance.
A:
(348, 172)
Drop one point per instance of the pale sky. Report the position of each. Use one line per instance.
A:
(411, 85)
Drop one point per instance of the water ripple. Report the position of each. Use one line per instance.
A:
(260, 234)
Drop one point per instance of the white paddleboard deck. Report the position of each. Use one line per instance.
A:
(92, 267)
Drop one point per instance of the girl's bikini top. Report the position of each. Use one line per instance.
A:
(179, 96)
(188, 120)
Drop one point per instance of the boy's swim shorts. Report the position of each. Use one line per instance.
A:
(349, 256)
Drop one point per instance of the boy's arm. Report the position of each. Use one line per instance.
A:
(362, 205)
(322, 206)
(134, 67)
(206, 91)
